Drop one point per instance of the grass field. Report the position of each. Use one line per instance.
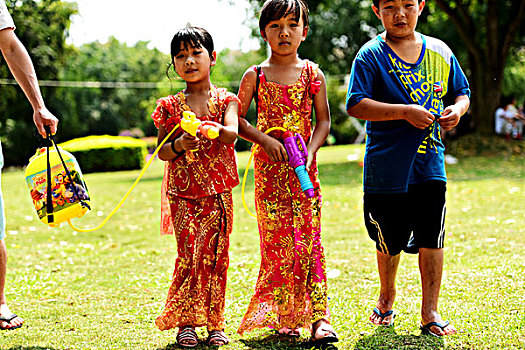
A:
(104, 289)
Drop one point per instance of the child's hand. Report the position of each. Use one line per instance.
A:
(309, 160)
(449, 118)
(205, 132)
(188, 142)
(419, 116)
(275, 150)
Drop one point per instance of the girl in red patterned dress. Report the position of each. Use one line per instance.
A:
(291, 291)
(197, 205)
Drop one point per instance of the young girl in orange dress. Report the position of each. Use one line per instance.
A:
(197, 205)
(291, 291)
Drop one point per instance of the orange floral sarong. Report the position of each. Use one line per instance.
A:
(197, 293)
(197, 208)
(291, 290)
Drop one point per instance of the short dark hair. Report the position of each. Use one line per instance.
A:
(275, 9)
(189, 36)
(192, 37)
(376, 3)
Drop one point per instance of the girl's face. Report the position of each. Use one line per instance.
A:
(285, 34)
(399, 17)
(193, 64)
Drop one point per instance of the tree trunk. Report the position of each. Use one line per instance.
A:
(488, 57)
(485, 84)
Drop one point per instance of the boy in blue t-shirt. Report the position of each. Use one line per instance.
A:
(407, 87)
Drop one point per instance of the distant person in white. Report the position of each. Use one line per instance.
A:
(21, 66)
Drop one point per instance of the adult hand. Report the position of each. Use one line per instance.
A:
(43, 117)
(419, 116)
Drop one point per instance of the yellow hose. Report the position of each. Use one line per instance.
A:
(117, 207)
(248, 167)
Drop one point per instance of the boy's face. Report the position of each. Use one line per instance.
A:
(399, 17)
(285, 34)
(193, 64)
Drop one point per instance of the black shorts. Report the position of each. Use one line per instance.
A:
(407, 221)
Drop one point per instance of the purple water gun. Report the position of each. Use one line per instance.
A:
(297, 160)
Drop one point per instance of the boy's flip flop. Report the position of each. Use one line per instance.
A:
(385, 314)
(427, 329)
(8, 320)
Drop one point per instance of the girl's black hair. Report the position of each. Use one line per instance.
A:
(190, 37)
(376, 3)
(275, 9)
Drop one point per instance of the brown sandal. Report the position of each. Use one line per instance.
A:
(217, 338)
(187, 337)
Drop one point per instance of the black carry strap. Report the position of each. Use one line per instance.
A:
(49, 204)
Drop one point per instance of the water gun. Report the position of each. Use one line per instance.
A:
(297, 155)
(192, 125)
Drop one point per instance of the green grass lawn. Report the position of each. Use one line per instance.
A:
(104, 289)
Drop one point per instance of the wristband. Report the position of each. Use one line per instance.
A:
(173, 148)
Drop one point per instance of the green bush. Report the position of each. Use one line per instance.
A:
(107, 153)
(479, 145)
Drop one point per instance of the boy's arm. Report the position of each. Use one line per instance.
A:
(322, 120)
(451, 114)
(272, 147)
(371, 110)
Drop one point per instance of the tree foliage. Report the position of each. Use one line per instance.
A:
(487, 32)
(486, 35)
(100, 110)
(42, 27)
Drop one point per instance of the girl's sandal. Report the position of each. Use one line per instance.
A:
(187, 337)
(217, 338)
(322, 326)
(289, 332)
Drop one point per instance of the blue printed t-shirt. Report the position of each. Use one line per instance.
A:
(398, 153)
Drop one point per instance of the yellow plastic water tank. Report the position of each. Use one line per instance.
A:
(66, 205)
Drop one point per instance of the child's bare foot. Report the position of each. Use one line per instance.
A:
(9, 320)
(437, 327)
(383, 315)
(382, 318)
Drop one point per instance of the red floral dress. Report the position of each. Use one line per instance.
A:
(197, 208)
(291, 289)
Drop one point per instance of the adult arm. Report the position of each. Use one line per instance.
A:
(21, 67)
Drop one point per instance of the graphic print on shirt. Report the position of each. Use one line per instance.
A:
(426, 84)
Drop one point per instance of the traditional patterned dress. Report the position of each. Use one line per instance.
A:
(197, 208)
(291, 289)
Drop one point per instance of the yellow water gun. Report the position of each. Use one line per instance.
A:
(192, 125)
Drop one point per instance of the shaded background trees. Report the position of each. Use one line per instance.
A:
(486, 35)
(43, 27)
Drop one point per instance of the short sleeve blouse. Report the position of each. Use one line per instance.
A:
(215, 168)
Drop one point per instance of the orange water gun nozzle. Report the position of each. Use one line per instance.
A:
(192, 125)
